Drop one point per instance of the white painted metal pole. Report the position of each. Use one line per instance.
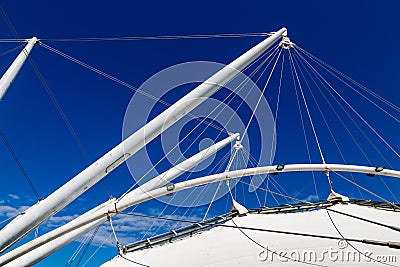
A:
(40, 253)
(100, 212)
(44, 245)
(12, 71)
(182, 167)
(37, 214)
(125, 203)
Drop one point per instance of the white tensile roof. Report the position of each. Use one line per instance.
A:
(228, 246)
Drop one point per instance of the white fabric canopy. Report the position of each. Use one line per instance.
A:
(223, 246)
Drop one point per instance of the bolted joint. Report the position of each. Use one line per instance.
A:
(286, 43)
(238, 145)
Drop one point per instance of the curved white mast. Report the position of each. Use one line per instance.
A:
(41, 252)
(12, 71)
(37, 214)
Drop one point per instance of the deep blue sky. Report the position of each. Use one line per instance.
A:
(360, 38)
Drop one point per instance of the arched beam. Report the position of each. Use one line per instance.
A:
(268, 170)
(100, 216)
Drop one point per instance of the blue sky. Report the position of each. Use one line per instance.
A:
(357, 37)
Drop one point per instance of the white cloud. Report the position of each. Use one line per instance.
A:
(12, 196)
(311, 198)
(57, 221)
(9, 211)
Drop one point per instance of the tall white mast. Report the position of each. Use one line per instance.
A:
(84, 223)
(12, 71)
(35, 215)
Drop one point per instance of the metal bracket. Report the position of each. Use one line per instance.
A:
(238, 145)
(286, 43)
(336, 196)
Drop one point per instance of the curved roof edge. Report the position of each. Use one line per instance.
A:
(198, 227)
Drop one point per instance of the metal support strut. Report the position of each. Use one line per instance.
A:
(12, 71)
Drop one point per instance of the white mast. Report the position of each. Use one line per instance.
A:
(41, 252)
(98, 215)
(12, 71)
(35, 215)
(182, 167)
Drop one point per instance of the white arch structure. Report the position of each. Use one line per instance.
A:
(269, 170)
(58, 241)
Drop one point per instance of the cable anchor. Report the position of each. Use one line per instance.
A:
(286, 43)
(119, 247)
(238, 145)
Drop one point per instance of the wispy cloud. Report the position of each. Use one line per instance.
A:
(311, 198)
(12, 196)
(7, 211)
(57, 221)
